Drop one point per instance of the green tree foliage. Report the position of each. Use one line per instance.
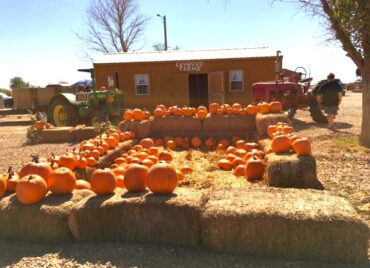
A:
(18, 82)
(6, 91)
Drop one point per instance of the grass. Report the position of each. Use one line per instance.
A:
(350, 143)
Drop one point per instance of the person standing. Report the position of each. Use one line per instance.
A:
(329, 96)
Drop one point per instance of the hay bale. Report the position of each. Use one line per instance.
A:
(55, 135)
(46, 221)
(291, 223)
(83, 133)
(142, 217)
(108, 159)
(215, 122)
(173, 124)
(142, 129)
(292, 171)
(264, 120)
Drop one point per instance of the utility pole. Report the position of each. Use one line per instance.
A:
(165, 30)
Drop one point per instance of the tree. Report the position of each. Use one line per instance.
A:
(113, 25)
(160, 47)
(17, 82)
(348, 21)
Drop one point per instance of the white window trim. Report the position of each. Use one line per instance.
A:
(136, 93)
(243, 83)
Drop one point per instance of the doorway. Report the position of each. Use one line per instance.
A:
(198, 89)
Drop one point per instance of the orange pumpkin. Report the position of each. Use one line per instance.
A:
(171, 144)
(135, 179)
(12, 179)
(158, 112)
(180, 175)
(263, 107)
(186, 169)
(224, 164)
(239, 170)
(196, 142)
(62, 181)
(280, 144)
(31, 189)
(251, 109)
(162, 178)
(2, 185)
(210, 143)
(138, 115)
(165, 156)
(82, 184)
(213, 107)
(127, 115)
(302, 146)
(38, 167)
(254, 168)
(67, 160)
(38, 125)
(201, 114)
(276, 107)
(270, 130)
(103, 181)
(147, 143)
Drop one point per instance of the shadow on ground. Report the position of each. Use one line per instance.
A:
(300, 125)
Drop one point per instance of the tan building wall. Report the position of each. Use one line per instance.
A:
(170, 86)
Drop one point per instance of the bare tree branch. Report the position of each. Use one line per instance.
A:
(113, 25)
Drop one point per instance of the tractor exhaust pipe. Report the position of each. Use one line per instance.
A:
(277, 67)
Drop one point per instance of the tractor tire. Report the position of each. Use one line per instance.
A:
(96, 117)
(62, 113)
(316, 113)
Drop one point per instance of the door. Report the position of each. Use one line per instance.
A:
(216, 88)
(198, 89)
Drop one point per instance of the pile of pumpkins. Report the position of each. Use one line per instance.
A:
(201, 112)
(284, 139)
(56, 173)
(244, 158)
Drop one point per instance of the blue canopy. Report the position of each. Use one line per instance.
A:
(83, 83)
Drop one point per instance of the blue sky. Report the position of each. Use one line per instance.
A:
(38, 39)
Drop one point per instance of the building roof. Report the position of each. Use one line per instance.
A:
(182, 55)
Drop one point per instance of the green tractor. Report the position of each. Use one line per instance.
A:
(88, 107)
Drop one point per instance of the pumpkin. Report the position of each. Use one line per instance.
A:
(171, 144)
(280, 144)
(238, 161)
(287, 129)
(158, 112)
(224, 142)
(153, 151)
(62, 181)
(302, 146)
(82, 184)
(220, 148)
(276, 106)
(180, 175)
(231, 157)
(210, 143)
(103, 181)
(250, 146)
(67, 160)
(138, 115)
(263, 107)
(127, 115)
(38, 125)
(178, 141)
(236, 107)
(120, 181)
(234, 139)
(254, 168)
(165, 156)
(31, 189)
(224, 164)
(158, 142)
(239, 170)
(270, 130)
(230, 150)
(147, 143)
(38, 167)
(135, 178)
(251, 109)
(162, 107)
(3, 180)
(162, 178)
(12, 179)
(196, 142)
(292, 137)
(201, 114)
(147, 162)
(213, 107)
(186, 169)
(240, 152)
(240, 144)
(146, 114)
(112, 142)
(91, 161)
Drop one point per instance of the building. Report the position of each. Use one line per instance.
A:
(186, 77)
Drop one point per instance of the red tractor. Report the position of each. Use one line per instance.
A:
(293, 95)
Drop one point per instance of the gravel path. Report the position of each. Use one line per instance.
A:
(343, 170)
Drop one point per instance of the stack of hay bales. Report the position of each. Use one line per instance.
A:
(141, 217)
(46, 221)
(290, 223)
(264, 120)
(176, 126)
(219, 126)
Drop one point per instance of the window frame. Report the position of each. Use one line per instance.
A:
(136, 85)
(242, 80)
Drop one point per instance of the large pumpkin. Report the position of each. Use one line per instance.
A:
(62, 181)
(254, 168)
(135, 178)
(280, 144)
(302, 146)
(162, 178)
(103, 181)
(31, 189)
(38, 167)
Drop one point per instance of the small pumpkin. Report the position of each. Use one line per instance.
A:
(82, 184)
(147, 143)
(224, 164)
(276, 107)
(127, 115)
(196, 142)
(62, 181)
(239, 170)
(213, 107)
(263, 107)
(31, 189)
(135, 179)
(67, 160)
(103, 181)
(162, 178)
(12, 179)
(302, 146)
(251, 109)
(165, 156)
(254, 168)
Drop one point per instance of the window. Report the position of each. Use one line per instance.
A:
(142, 84)
(236, 80)
(110, 81)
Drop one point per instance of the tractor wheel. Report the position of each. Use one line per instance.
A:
(62, 113)
(96, 117)
(316, 113)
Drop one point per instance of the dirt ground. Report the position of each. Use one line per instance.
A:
(343, 168)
